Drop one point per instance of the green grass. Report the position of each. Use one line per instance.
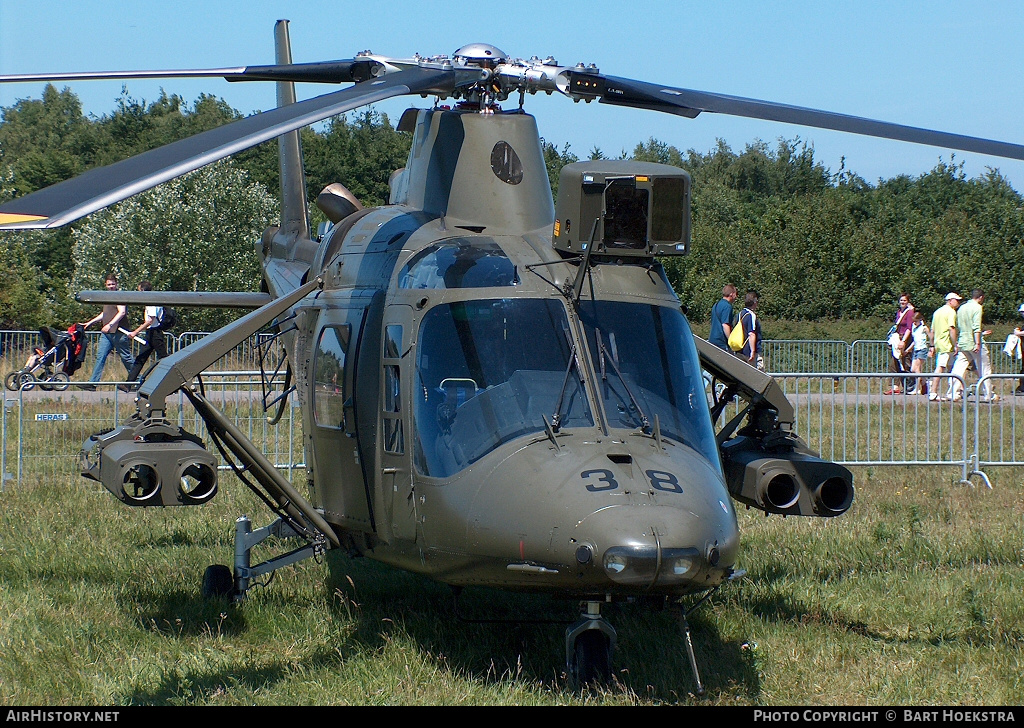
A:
(912, 598)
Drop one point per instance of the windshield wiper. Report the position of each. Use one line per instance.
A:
(556, 419)
(603, 354)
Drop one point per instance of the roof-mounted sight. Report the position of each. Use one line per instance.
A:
(642, 209)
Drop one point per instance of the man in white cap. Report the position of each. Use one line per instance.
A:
(944, 336)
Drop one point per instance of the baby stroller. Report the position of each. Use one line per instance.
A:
(53, 364)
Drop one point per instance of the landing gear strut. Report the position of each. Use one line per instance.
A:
(689, 650)
(589, 643)
(219, 581)
(685, 625)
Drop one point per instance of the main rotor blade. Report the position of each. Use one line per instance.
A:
(343, 71)
(687, 102)
(98, 188)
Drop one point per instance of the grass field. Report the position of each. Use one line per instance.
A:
(911, 598)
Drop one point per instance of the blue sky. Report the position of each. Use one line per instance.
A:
(951, 66)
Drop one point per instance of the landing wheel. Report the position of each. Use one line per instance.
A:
(592, 658)
(218, 582)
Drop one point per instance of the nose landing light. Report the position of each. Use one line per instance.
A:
(643, 565)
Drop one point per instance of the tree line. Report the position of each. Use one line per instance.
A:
(193, 233)
(815, 244)
(821, 245)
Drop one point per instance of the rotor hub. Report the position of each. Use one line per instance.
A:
(485, 94)
(480, 54)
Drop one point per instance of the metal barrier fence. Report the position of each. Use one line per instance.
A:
(851, 419)
(782, 356)
(864, 356)
(847, 417)
(43, 430)
(17, 346)
(999, 426)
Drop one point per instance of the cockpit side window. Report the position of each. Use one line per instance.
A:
(394, 432)
(329, 377)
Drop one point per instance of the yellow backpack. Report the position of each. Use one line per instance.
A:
(736, 338)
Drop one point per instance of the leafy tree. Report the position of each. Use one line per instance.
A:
(22, 304)
(360, 151)
(194, 233)
(7, 191)
(654, 150)
(30, 296)
(815, 244)
(46, 140)
(554, 160)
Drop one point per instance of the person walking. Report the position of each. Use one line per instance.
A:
(970, 347)
(154, 342)
(753, 348)
(722, 318)
(944, 336)
(920, 339)
(1019, 333)
(111, 320)
(900, 350)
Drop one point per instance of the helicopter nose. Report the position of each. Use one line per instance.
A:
(659, 546)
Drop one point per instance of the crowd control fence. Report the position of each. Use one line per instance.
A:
(43, 431)
(838, 390)
(782, 356)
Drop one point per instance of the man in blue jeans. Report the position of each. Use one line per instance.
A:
(111, 318)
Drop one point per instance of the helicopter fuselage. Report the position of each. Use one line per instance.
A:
(467, 417)
(494, 390)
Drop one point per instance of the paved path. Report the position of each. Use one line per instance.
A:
(108, 393)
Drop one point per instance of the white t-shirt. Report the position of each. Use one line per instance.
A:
(920, 336)
(153, 312)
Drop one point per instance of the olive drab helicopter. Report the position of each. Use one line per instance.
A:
(496, 390)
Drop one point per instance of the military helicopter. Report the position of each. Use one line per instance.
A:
(496, 389)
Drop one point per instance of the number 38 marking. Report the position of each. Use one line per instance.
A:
(601, 480)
